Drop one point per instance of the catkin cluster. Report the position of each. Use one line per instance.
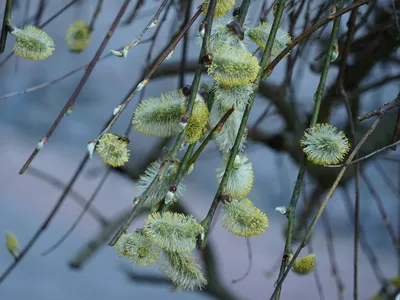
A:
(169, 238)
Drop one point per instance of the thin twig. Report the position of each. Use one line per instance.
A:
(153, 22)
(71, 101)
(340, 86)
(185, 45)
(386, 107)
(310, 31)
(367, 249)
(134, 11)
(39, 13)
(79, 218)
(250, 257)
(396, 129)
(96, 14)
(317, 277)
(5, 26)
(385, 217)
(58, 79)
(61, 200)
(46, 222)
(96, 214)
(364, 157)
(332, 254)
(387, 179)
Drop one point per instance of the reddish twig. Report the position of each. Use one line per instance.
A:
(80, 85)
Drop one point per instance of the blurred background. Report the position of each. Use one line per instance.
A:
(283, 104)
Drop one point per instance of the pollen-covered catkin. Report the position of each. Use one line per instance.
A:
(260, 36)
(161, 185)
(242, 218)
(197, 121)
(160, 116)
(225, 138)
(138, 248)
(78, 36)
(233, 66)
(305, 264)
(32, 43)
(221, 8)
(324, 144)
(241, 179)
(173, 231)
(232, 96)
(184, 272)
(113, 149)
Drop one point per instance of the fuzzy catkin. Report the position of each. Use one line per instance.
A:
(138, 248)
(113, 149)
(324, 144)
(261, 34)
(221, 8)
(78, 36)
(162, 184)
(32, 43)
(225, 139)
(173, 231)
(233, 66)
(241, 179)
(160, 116)
(183, 271)
(242, 218)
(305, 264)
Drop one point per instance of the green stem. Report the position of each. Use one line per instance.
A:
(264, 61)
(175, 150)
(323, 205)
(244, 7)
(299, 181)
(6, 24)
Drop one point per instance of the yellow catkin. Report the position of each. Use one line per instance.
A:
(305, 264)
(197, 122)
(32, 43)
(78, 36)
(113, 149)
(221, 8)
(233, 66)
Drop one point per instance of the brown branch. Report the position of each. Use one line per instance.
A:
(71, 101)
(384, 108)
(310, 31)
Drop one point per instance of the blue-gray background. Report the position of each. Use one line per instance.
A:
(25, 200)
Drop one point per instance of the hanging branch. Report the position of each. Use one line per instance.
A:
(299, 181)
(153, 22)
(264, 61)
(340, 86)
(58, 204)
(310, 31)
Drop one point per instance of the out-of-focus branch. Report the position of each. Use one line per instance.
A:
(99, 240)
